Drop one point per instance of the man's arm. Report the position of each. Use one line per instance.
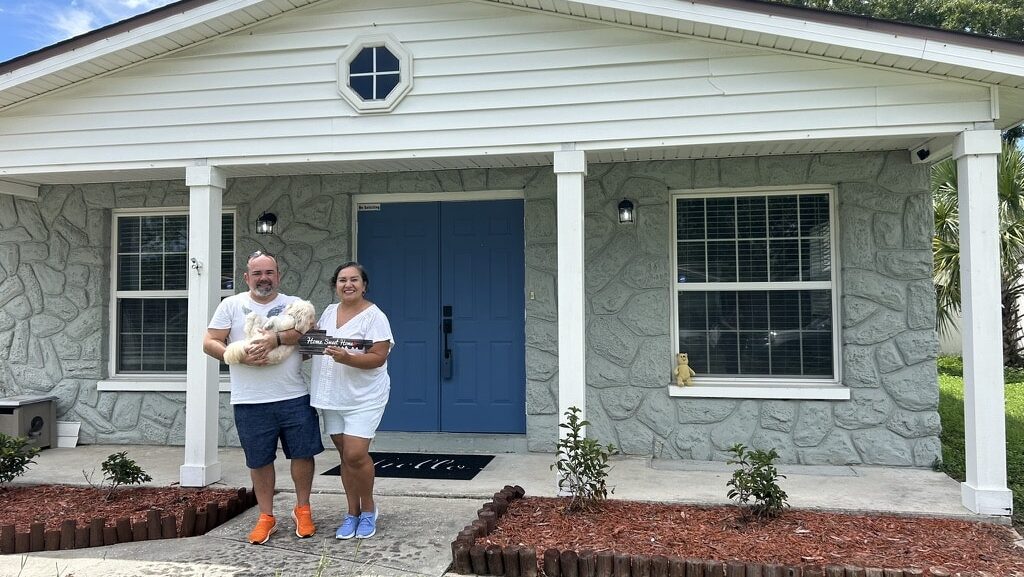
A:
(215, 342)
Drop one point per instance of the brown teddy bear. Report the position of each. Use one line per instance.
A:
(683, 373)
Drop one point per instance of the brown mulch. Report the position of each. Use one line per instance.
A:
(23, 505)
(796, 538)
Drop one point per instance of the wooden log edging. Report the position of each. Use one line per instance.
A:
(102, 531)
(472, 558)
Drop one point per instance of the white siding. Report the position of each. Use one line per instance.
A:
(489, 79)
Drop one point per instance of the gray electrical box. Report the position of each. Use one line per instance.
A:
(32, 417)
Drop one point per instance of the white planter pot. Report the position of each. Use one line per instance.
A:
(67, 434)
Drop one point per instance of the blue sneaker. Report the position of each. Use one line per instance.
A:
(367, 524)
(348, 527)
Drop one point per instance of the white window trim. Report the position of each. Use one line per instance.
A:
(404, 73)
(761, 388)
(145, 382)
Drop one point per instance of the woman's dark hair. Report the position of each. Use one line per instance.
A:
(357, 266)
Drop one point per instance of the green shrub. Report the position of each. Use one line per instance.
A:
(582, 465)
(757, 479)
(15, 456)
(119, 469)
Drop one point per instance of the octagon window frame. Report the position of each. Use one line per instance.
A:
(405, 64)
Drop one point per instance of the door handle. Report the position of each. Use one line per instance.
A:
(446, 355)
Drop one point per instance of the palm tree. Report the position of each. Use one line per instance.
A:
(946, 246)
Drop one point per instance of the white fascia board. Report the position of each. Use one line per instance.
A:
(18, 189)
(106, 46)
(887, 43)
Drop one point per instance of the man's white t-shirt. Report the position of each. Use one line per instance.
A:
(340, 387)
(258, 384)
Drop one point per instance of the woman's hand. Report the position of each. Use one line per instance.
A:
(339, 354)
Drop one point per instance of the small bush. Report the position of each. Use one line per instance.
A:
(15, 456)
(757, 479)
(119, 469)
(582, 465)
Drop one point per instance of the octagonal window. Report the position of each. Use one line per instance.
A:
(374, 73)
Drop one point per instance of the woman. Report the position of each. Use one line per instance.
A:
(351, 386)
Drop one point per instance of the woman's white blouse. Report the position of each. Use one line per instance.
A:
(341, 387)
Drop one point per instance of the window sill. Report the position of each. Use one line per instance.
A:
(821, 392)
(161, 384)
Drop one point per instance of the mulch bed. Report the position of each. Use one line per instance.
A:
(52, 517)
(630, 539)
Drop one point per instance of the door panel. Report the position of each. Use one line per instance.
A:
(468, 256)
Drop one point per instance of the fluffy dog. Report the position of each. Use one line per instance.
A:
(298, 315)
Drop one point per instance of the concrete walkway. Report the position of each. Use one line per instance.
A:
(420, 518)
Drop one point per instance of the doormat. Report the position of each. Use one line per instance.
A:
(424, 465)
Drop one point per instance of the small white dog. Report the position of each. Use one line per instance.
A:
(298, 315)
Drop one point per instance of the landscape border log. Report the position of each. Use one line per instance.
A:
(569, 561)
(35, 536)
(695, 568)
(124, 530)
(757, 570)
(676, 567)
(913, 572)
(460, 558)
(714, 569)
(212, 515)
(491, 518)
(495, 565)
(815, 571)
(82, 538)
(587, 563)
(772, 570)
(640, 566)
(153, 524)
(168, 527)
(67, 534)
(834, 571)
(551, 567)
(200, 523)
(659, 566)
(852, 571)
(188, 522)
(621, 565)
(892, 572)
(792, 572)
(510, 555)
(872, 572)
(478, 560)
(605, 564)
(51, 540)
(109, 535)
(233, 507)
(140, 531)
(96, 531)
(527, 561)
(7, 539)
(21, 542)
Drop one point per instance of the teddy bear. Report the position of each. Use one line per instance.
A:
(683, 373)
(298, 315)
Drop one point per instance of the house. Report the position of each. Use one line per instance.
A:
(770, 164)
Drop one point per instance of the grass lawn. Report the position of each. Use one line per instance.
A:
(951, 411)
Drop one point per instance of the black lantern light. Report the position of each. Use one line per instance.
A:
(626, 214)
(265, 223)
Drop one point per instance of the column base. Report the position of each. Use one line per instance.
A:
(987, 501)
(199, 475)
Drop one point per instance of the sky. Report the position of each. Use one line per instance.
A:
(28, 25)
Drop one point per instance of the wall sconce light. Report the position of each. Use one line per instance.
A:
(265, 223)
(626, 213)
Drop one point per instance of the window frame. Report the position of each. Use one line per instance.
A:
(405, 73)
(147, 381)
(760, 387)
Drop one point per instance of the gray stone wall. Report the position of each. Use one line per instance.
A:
(887, 315)
(54, 302)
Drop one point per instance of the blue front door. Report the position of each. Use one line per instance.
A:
(450, 277)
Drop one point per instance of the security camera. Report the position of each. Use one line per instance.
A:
(923, 153)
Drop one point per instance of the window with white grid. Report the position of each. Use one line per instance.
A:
(755, 284)
(151, 289)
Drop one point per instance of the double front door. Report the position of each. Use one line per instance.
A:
(450, 277)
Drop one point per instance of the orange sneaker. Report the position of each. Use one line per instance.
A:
(265, 527)
(303, 518)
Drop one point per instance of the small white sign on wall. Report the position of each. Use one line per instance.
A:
(368, 206)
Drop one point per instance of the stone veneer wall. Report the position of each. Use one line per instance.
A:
(54, 302)
(887, 315)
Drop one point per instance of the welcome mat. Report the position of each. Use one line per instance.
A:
(424, 465)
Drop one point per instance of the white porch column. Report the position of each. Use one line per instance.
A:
(985, 489)
(570, 168)
(206, 185)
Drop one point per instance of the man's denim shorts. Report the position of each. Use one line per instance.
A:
(291, 421)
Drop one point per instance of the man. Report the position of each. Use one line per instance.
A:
(270, 402)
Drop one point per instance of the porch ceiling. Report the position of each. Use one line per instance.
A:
(594, 156)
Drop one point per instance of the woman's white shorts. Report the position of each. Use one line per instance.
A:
(361, 422)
